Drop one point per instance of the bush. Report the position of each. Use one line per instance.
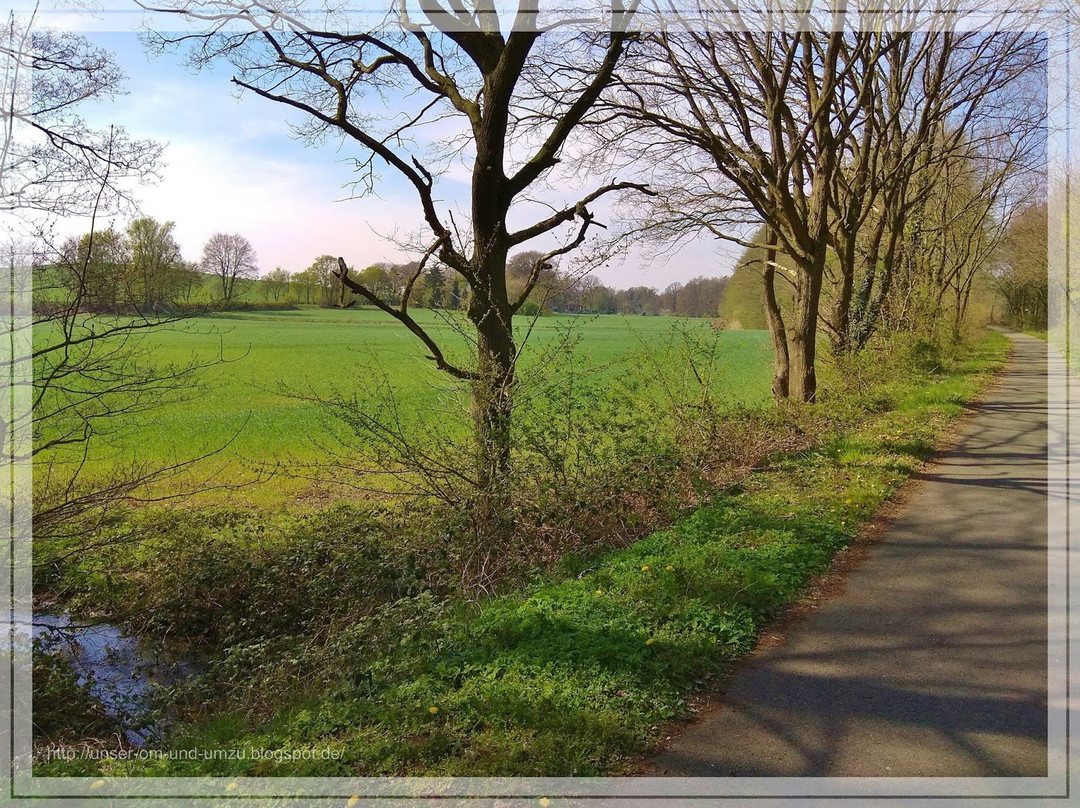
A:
(925, 356)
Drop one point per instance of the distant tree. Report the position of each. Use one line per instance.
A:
(229, 257)
(577, 292)
(401, 278)
(95, 266)
(455, 301)
(378, 279)
(190, 283)
(602, 299)
(434, 292)
(1021, 271)
(700, 297)
(669, 296)
(637, 300)
(156, 272)
(275, 284)
(265, 288)
(303, 285)
(744, 304)
(324, 281)
(546, 285)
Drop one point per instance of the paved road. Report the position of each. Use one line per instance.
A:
(932, 660)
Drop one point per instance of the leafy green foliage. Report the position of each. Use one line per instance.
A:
(65, 711)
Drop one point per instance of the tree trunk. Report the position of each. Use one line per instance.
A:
(490, 313)
(492, 407)
(493, 404)
(777, 330)
(804, 337)
(841, 314)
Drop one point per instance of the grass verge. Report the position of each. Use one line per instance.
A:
(577, 674)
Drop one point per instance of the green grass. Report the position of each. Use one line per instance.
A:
(245, 400)
(578, 674)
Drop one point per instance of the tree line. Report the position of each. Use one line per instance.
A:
(437, 287)
(142, 267)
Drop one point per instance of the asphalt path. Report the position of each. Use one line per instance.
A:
(932, 658)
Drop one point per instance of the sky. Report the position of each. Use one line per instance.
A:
(232, 164)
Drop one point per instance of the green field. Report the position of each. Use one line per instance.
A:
(272, 356)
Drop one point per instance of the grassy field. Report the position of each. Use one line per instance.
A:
(250, 399)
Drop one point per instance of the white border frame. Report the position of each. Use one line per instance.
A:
(1063, 433)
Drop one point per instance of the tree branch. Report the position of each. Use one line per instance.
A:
(403, 317)
(568, 214)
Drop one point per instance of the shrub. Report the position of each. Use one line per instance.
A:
(925, 356)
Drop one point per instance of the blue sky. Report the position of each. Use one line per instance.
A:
(233, 165)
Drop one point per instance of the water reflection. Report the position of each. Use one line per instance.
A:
(114, 666)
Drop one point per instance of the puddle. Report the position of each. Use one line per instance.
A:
(121, 675)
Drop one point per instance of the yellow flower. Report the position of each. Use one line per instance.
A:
(599, 591)
(669, 568)
(433, 710)
(97, 784)
(231, 786)
(355, 798)
(544, 801)
(645, 568)
(650, 641)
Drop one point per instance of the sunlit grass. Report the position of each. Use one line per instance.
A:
(248, 402)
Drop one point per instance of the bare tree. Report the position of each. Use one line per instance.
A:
(938, 100)
(828, 133)
(229, 257)
(764, 104)
(447, 62)
(51, 161)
